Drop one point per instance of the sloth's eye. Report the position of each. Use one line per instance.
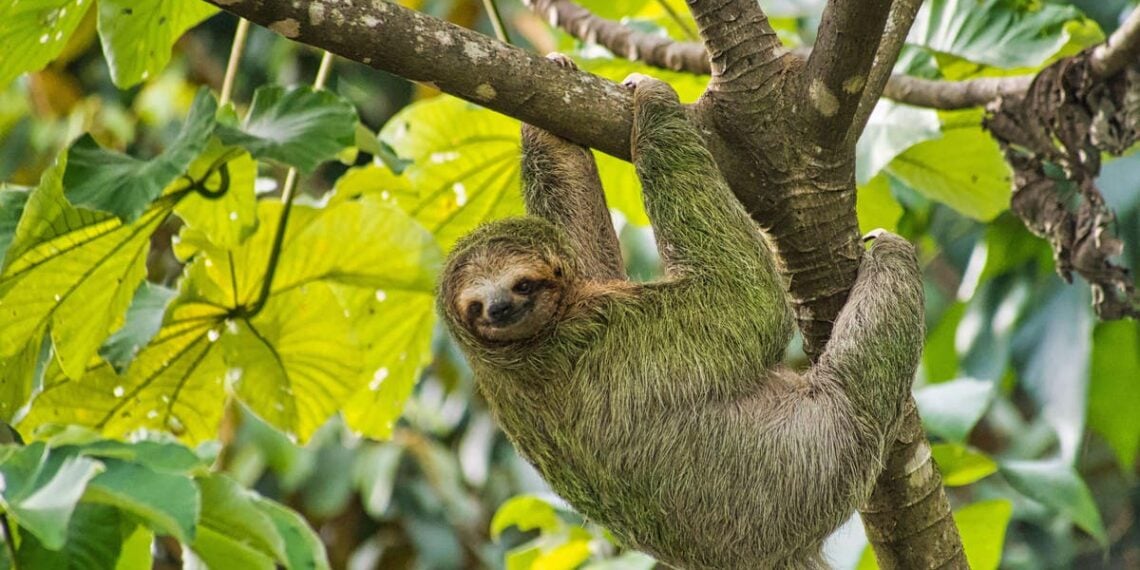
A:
(474, 309)
(524, 287)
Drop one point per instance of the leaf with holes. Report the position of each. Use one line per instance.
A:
(466, 164)
(173, 385)
(395, 329)
(138, 36)
(72, 269)
(298, 359)
(35, 32)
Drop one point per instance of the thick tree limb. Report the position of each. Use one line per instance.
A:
(741, 43)
(1122, 47)
(838, 68)
(458, 61)
(623, 41)
(898, 26)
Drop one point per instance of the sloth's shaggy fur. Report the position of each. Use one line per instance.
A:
(661, 410)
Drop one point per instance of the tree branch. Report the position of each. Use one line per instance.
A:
(837, 69)
(1122, 47)
(654, 50)
(950, 95)
(457, 61)
(742, 46)
(898, 26)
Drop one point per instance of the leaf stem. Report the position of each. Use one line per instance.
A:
(9, 540)
(288, 192)
(690, 34)
(496, 21)
(235, 58)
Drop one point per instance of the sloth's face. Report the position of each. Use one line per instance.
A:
(513, 297)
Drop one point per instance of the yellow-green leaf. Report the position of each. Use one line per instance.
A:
(466, 166)
(982, 526)
(138, 36)
(876, 207)
(35, 32)
(173, 385)
(395, 330)
(224, 206)
(961, 465)
(527, 512)
(72, 269)
(296, 362)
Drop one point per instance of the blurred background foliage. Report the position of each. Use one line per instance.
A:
(1033, 406)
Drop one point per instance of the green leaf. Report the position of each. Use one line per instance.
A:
(41, 490)
(174, 384)
(876, 207)
(466, 164)
(982, 526)
(113, 182)
(232, 531)
(223, 205)
(892, 128)
(961, 465)
(165, 502)
(951, 409)
(298, 359)
(138, 36)
(18, 376)
(72, 269)
(95, 537)
(303, 548)
(143, 320)
(11, 207)
(35, 32)
(299, 127)
(527, 512)
(1054, 344)
(1113, 397)
(964, 170)
(161, 456)
(1057, 486)
(1001, 33)
(395, 329)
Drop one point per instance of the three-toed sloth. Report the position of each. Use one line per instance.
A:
(661, 410)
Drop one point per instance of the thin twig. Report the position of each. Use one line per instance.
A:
(235, 58)
(496, 21)
(690, 33)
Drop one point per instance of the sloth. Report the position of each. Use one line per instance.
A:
(661, 410)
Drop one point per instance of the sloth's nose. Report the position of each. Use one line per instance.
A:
(499, 311)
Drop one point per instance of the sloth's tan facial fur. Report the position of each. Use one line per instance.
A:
(509, 297)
